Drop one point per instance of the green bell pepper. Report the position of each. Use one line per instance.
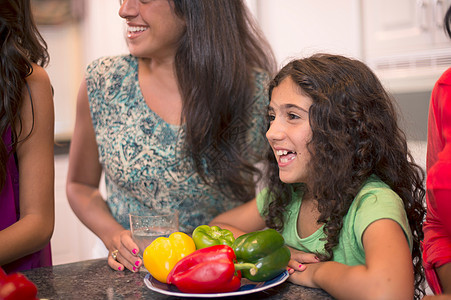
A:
(266, 249)
(205, 236)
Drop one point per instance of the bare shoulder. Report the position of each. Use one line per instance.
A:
(40, 88)
(37, 114)
(39, 79)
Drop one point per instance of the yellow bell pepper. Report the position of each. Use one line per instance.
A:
(163, 253)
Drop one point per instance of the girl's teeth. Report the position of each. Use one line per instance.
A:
(281, 152)
(286, 159)
(285, 156)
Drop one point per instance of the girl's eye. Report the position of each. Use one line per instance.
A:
(271, 118)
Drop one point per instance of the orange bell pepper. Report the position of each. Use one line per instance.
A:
(163, 253)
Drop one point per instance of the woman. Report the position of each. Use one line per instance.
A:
(437, 227)
(176, 124)
(26, 148)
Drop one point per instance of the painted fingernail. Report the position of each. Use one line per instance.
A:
(134, 269)
(300, 265)
(290, 270)
(135, 251)
(137, 263)
(316, 258)
(119, 268)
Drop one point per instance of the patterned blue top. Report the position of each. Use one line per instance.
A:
(142, 155)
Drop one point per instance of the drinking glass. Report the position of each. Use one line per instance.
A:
(146, 227)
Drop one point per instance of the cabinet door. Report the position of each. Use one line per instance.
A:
(392, 27)
(71, 241)
(297, 28)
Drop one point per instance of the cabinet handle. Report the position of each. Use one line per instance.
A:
(422, 14)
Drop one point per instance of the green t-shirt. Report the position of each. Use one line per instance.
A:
(375, 201)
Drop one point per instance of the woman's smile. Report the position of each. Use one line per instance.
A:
(135, 31)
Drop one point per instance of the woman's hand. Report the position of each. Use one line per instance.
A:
(123, 253)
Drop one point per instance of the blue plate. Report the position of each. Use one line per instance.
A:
(247, 287)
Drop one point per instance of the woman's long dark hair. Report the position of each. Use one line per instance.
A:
(20, 46)
(355, 134)
(215, 64)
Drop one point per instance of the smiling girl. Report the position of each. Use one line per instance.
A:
(343, 188)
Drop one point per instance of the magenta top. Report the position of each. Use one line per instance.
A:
(10, 214)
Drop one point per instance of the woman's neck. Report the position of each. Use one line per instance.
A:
(159, 86)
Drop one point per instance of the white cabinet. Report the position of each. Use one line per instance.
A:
(71, 240)
(396, 27)
(405, 43)
(297, 28)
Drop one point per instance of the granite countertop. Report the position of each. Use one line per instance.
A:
(94, 279)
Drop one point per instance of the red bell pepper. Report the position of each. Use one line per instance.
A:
(16, 286)
(208, 270)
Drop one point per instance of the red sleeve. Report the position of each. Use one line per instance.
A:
(439, 151)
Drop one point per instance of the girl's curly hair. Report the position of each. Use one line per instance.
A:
(354, 134)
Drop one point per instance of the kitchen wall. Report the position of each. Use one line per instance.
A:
(72, 46)
(293, 27)
(301, 27)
